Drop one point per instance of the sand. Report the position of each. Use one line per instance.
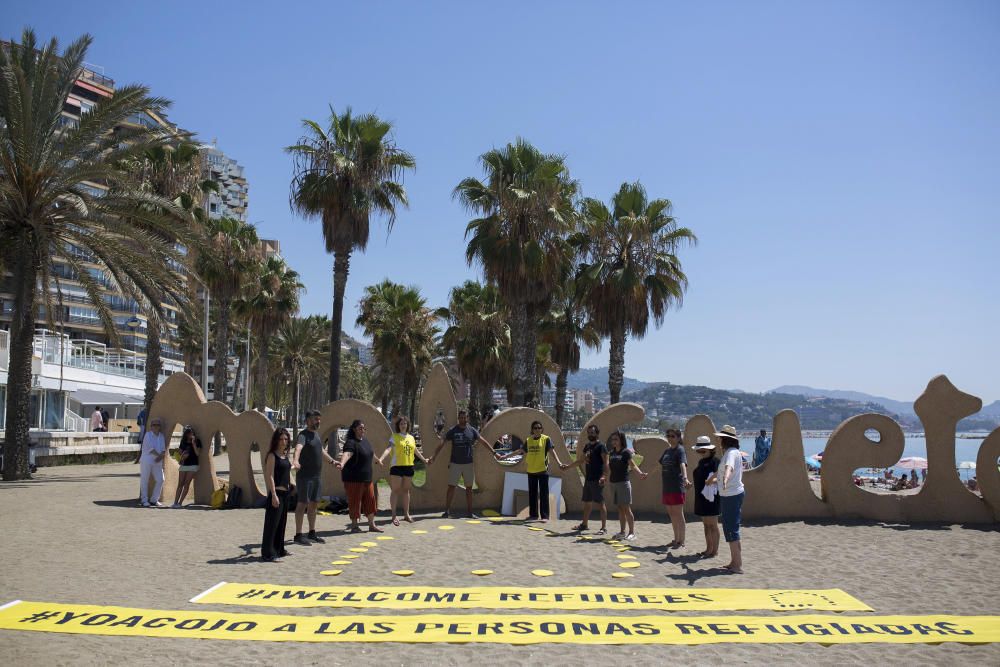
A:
(76, 534)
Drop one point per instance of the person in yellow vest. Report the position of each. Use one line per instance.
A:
(404, 449)
(535, 449)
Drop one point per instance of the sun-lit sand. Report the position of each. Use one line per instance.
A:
(76, 534)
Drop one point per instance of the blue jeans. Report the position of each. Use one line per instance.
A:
(732, 509)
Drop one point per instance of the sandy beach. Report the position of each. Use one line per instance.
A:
(76, 534)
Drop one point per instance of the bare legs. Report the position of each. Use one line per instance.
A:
(626, 518)
(451, 496)
(676, 514)
(587, 507)
(184, 480)
(400, 488)
(300, 510)
(711, 524)
(736, 561)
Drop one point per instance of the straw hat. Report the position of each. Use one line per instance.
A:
(727, 431)
(703, 444)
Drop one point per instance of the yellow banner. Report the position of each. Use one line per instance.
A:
(515, 597)
(500, 629)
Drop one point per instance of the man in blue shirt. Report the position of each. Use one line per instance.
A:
(762, 447)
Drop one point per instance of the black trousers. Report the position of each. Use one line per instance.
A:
(538, 495)
(272, 544)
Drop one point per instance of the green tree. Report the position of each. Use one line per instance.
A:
(48, 206)
(564, 329)
(299, 346)
(526, 211)
(343, 175)
(631, 269)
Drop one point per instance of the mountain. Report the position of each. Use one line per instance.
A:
(901, 408)
(597, 378)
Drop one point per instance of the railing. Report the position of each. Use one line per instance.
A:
(4, 349)
(75, 422)
(90, 75)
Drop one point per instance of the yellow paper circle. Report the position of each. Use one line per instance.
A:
(352, 556)
(626, 557)
(535, 528)
(473, 521)
(419, 532)
(369, 544)
(621, 575)
(340, 562)
(331, 573)
(629, 564)
(446, 527)
(482, 573)
(384, 537)
(403, 573)
(490, 513)
(359, 550)
(542, 573)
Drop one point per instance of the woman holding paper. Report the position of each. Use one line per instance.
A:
(706, 505)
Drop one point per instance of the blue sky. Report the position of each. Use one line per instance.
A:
(839, 161)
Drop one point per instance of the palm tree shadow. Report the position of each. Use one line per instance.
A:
(248, 556)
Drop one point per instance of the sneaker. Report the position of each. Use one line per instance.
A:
(618, 536)
(283, 554)
(316, 538)
(301, 539)
(630, 537)
(175, 506)
(272, 559)
(158, 504)
(145, 503)
(446, 514)
(471, 515)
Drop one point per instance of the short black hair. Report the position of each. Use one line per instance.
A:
(313, 413)
(463, 411)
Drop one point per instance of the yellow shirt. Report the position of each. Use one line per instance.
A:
(404, 448)
(536, 460)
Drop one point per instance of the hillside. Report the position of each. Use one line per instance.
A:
(596, 380)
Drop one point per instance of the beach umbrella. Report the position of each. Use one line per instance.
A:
(815, 460)
(913, 463)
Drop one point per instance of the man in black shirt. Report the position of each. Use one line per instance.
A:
(596, 471)
(463, 440)
(308, 462)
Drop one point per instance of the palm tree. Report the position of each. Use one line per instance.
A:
(343, 175)
(402, 330)
(526, 209)
(231, 253)
(47, 205)
(299, 346)
(478, 335)
(564, 329)
(631, 268)
(271, 299)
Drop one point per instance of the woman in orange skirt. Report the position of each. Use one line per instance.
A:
(356, 470)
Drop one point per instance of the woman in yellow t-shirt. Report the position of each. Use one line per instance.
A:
(535, 449)
(404, 449)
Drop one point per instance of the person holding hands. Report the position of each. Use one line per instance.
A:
(404, 448)
(463, 439)
(536, 448)
(596, 473)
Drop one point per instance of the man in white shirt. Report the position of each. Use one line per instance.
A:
(154, 451)
(96, 420)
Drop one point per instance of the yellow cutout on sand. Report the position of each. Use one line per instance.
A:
(542, 573)
(497, 519)
(629, 564)
(622, 575)
(626, 557)
(331, 573)
(359, 550)
(535, 528)
(473, 521)
(482, 573)
(446, 527)
(490, 513)
(340, 562)
(352, 556)
(419, 532)
(403, 573)
(369, 544)
(384, 537)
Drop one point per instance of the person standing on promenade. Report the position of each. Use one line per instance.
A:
(732, 493)
(536, 448)
(404, 448)
(154, 451)
(356, 470)
(278, 479)
(761, 448)
(596, 473)
(308, 462)
(674, 475)
(704, 474)
(620, 460)
(463, 439)
(96, 420)
(190, 448)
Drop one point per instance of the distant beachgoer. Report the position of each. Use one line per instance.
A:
(356, 470)
(673, 471)
(308, 463)
(761, 448)
(596, 472)
(97, 420)
(923, 475)
(620, 460)
(404, 448)
(140, 421)
(106, 418)
(901, 483)
(705, 474)
(278, 479)
(154, 451)
(190, 448)
(731, 494)
(536, 448)
(463, 439)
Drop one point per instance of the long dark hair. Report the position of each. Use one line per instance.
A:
(728, 441)
(184, 436)
(352, 429)
(621, 438)
(276, 438)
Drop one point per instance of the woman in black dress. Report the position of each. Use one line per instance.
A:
(277, 477)
(355, 464)
(705, 473)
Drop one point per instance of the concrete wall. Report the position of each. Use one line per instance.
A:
(779, 489)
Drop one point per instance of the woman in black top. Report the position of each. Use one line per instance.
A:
(190, 448)
(277, 477)
(356, 470)
(705, 473)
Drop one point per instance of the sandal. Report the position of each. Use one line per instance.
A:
(395, 521)
(602, 531)
(374, 529)
(580, 526)
(407, 520)
(355, 529)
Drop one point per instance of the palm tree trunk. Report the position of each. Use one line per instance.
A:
(531, 356)
(341, 268)
(220, 372)
(239, 380)
(474, 404)
(154, 363)
(486, 396)
(561, 381)
(297, 378)
(519, 337)
(22, 332)
(260, 374)
(616, 365)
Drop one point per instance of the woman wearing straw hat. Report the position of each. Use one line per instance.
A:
(706, 505)
(731, 494)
